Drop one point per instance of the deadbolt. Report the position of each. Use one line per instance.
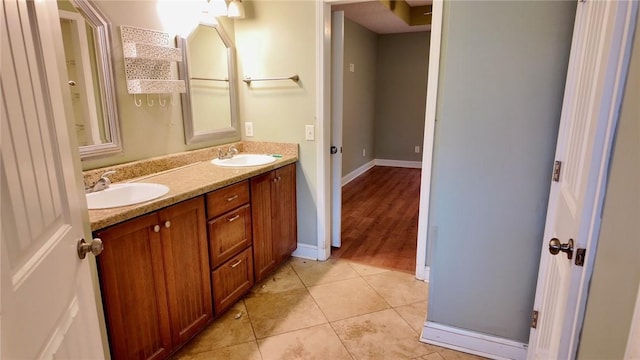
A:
(555, 247)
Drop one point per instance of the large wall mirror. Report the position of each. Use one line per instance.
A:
(210, 104)
(86, 37)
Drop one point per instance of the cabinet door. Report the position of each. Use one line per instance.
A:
(285, 232)
(133, 290)
(186, 260)
(265, 254)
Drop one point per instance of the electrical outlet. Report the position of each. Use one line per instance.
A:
(364, 152)
(248, 129)
(417, 149)
(309, 132)
(352, 68)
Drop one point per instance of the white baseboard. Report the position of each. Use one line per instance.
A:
(423, 274)
(379, 162)
(472, 342)
(399, 163)
(306, 251)
(357, 172)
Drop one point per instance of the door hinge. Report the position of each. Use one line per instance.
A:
(557, 166)
(580, 255)
(534, 319)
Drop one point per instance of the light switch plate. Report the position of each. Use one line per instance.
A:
(248, 129)
(309, 132)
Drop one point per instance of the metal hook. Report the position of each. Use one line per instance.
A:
(137, 101)
(162, 103)
(149, 103)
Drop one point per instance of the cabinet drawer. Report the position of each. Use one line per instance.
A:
(232, 280)
(226, 199)
(229, 234)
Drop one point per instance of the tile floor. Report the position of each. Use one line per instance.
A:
(324, 310)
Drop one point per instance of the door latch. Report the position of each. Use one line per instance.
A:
(334, 150)
(580, 256)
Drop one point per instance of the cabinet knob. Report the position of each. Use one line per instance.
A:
(167, 224)
(156, 228)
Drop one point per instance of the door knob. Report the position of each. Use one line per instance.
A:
(95, 247)
(555, 247)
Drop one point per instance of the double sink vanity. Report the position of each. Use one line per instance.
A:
(173, 264)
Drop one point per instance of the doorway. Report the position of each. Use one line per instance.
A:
(378, 110)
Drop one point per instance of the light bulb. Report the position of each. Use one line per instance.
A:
(236, 10)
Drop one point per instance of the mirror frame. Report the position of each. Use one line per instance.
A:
(233, 130)
(102, 35)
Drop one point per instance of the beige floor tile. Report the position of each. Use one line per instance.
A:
(414, 314)
(322, 272)
(449, 354)
(398, 288)
(380, 335)
(343, 299)
(224, 331)
(246, 351)
(432, 356)
(364, 270)
(283, 279)
(277, 313)
(314, 343)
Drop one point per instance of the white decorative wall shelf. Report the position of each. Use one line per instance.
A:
(147, 61)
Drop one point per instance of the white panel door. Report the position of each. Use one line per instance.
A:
(47, 305)
(337, 62)
(597, 69)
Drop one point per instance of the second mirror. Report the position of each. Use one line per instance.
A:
(210, 103)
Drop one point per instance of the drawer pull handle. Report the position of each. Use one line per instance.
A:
(232, 198)
(234, 218)
(235, 264)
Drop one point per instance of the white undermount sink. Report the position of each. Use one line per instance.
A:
(125, 194)
(244, 160)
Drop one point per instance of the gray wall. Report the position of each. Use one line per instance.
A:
(616, 273)
(502, 74)
(359, 96)
(401, 92)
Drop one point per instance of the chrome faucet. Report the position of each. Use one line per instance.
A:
(230, 153)
(102, 183)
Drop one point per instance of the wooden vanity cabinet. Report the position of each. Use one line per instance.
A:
(154, 273)
(230, 241)
(273, 213)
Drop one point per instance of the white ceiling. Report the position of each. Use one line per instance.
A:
(378, 18)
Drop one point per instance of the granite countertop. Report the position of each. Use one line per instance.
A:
(184, 182)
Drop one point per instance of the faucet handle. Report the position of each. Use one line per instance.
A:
(106, 174)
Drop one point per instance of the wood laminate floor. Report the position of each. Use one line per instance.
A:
(380, 218)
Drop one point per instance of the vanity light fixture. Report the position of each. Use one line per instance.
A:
(236, 9)
(217, 8)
